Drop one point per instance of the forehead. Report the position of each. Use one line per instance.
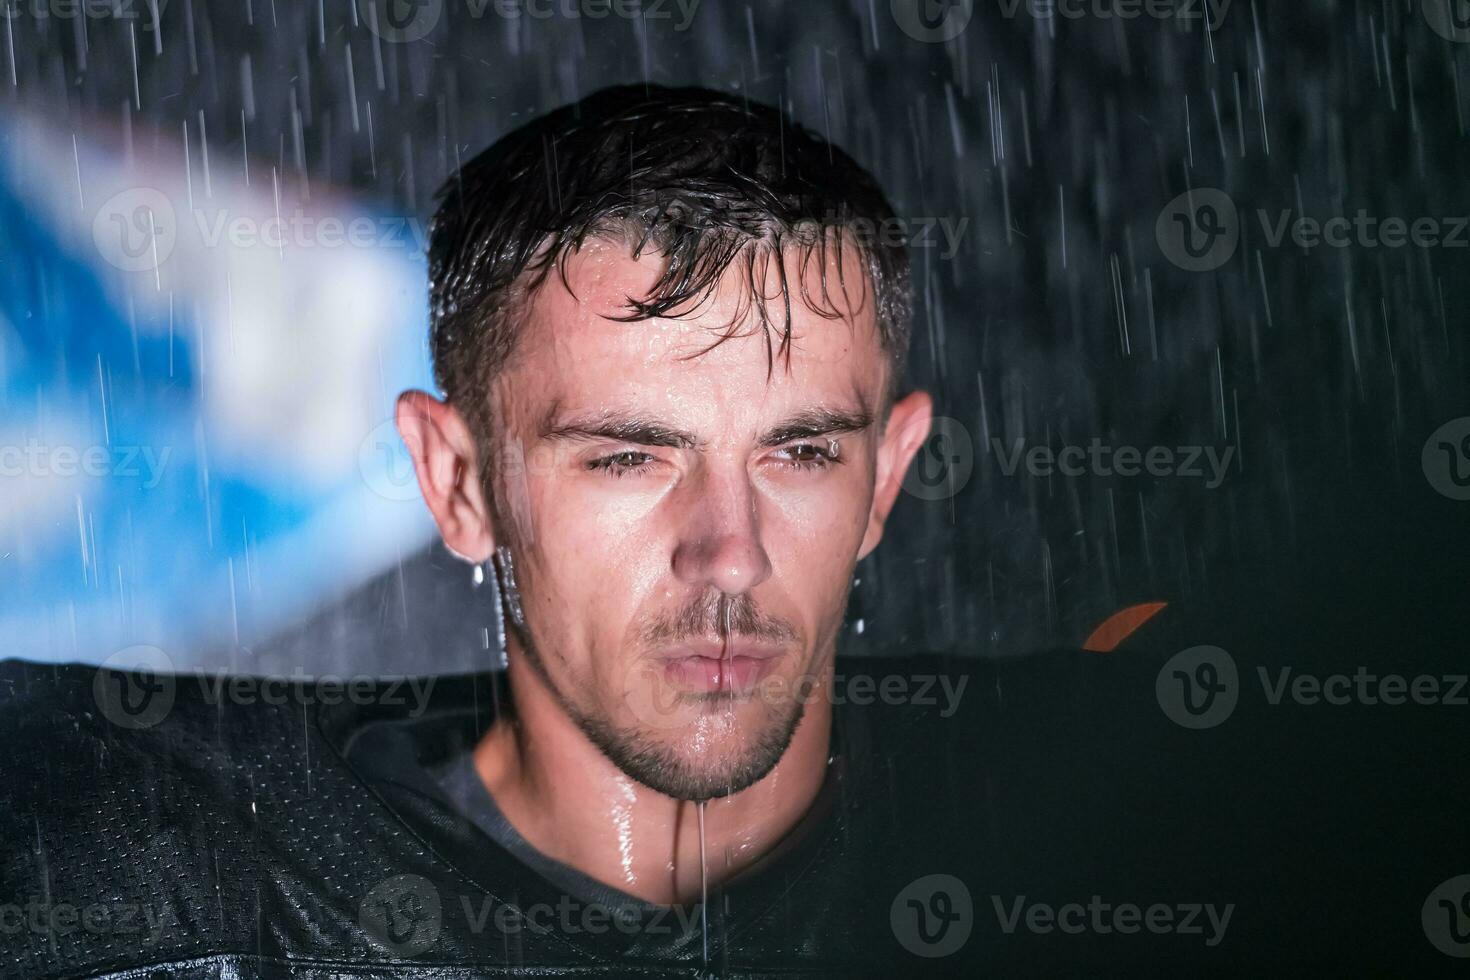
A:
(572, 354)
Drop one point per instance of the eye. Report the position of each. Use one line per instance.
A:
(621, 464)
(809, 455)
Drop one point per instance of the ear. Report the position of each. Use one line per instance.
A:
(907, 428)
(444, 459)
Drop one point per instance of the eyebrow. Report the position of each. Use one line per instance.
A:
(815, 423)
(640, 430)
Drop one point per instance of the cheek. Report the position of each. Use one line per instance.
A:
(826, 515)
(610, 533)
(812, 533)
(598, 556)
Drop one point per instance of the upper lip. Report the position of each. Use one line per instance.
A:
(716, 650)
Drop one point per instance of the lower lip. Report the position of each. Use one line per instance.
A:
(737, 674)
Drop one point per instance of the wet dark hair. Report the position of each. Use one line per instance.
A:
(704, 178)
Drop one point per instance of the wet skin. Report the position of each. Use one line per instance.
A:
(684, 522)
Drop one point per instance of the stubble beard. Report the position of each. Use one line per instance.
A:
(694, 775)
(657, 764)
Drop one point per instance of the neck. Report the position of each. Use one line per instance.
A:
(571, 803)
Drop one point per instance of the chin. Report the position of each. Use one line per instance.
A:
(710, 746)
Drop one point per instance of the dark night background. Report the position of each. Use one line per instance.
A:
(1059, 141)
(280, 539)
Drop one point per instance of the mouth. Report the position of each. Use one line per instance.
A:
(735, 667)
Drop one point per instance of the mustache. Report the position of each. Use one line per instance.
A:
(710, 614)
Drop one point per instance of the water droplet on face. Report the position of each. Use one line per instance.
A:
(622, 816)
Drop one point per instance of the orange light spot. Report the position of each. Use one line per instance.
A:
(1119, 626)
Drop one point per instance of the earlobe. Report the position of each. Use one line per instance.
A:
(908, 427)
(444, 460)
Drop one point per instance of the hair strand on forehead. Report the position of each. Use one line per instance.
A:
(706, 181)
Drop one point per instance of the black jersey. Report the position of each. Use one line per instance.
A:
(1028, 817)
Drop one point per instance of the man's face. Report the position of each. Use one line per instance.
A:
(684, 521)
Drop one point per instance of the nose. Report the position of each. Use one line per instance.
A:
(720, 541)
